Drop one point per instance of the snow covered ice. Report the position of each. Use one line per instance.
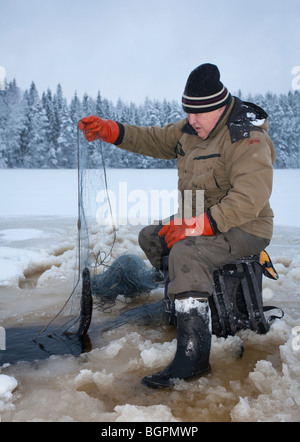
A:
(38, 235)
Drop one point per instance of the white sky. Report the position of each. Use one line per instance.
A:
(137, 48)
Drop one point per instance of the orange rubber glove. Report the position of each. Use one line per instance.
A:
(179, 229)
(94, 128)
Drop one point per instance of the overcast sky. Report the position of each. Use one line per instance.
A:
(137, 48)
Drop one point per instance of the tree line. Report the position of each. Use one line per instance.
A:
(41, 131)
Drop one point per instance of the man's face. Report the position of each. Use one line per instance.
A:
(205, 122)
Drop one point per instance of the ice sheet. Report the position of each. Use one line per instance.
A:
(37, 263)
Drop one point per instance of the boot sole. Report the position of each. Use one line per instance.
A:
(156, 381)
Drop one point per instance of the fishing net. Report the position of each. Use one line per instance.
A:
(110, 275)
(99, 273)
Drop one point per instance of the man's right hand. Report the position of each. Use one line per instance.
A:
(94, 128)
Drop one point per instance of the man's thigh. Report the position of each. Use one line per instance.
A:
(193, 260)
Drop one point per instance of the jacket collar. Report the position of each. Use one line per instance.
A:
(245, 117)
(238, 116)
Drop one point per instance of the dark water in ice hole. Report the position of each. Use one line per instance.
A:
(24, 344)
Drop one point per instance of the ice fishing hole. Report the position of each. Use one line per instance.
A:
(23, 343)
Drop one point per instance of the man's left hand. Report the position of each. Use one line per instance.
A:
(179, 228)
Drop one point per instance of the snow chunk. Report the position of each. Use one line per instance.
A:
(267, 293)
(99, 378)
(155, 354)
(134, 413)
(111, 350)
(13, 263)
(278, 399)
(7, 385)
(295, 273)
(258, 122)
(254, 120)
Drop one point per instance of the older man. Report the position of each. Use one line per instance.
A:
(222, 149)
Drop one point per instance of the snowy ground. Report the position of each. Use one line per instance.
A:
(38, 235)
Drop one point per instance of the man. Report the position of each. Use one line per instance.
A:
(223, 149)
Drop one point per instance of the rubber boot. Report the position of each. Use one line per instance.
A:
(169, 306)
(193, 343)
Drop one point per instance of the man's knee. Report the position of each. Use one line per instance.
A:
(148, 236)
(142, 237)
(153, 246)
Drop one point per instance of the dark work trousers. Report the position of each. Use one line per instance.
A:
(193, 260)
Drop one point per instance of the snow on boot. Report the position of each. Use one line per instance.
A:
(193, 343)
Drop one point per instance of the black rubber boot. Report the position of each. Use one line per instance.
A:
(193, 344)
(169, 306)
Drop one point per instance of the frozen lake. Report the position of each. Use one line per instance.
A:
(38, 237)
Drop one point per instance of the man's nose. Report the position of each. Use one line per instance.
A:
(191, 118)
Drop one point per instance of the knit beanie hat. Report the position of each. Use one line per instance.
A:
(204, 91)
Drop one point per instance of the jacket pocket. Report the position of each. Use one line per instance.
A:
(206, 157)
(212, 172)
(206, 181)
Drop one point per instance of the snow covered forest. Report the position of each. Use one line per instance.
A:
(41, 131)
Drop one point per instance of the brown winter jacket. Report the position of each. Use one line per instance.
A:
(234, 165)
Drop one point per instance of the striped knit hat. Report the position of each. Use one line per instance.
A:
(204, 91)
